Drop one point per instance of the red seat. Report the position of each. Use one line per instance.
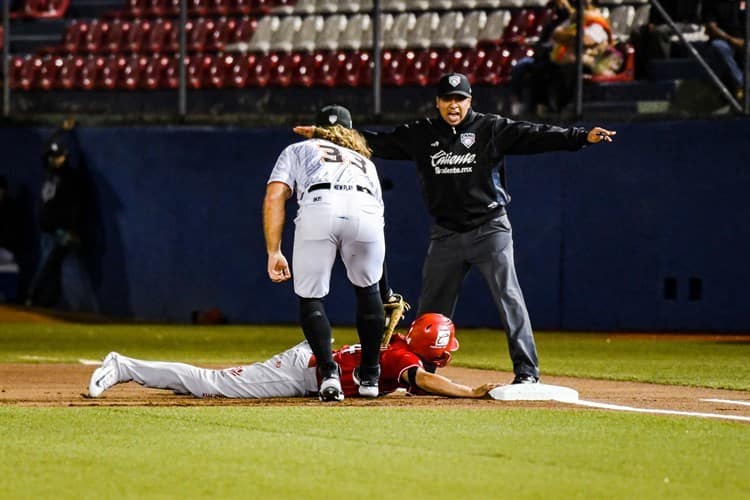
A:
(284, 69)
(488, 71)
(24, 72)
(419, 65)
(137, 36)
(260, 72)
(161, 72)
(91, 73)
(353, 69)
(95, 37)
(69, 73)
(304, 73)
(74, 38)
(117, 35)
(50, 9)
(236, 69)
(48, 75)
(112, 72)
(243, 30)
(163, 8)
(330, 64)
(132, 71)
(197, 35)
(160, 38)
(138, 8)
(221, 35)
(199, 70)
(467, 61)
(394, 67)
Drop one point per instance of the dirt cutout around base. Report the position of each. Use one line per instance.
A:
(57, 385)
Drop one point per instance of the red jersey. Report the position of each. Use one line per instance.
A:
(394, 360)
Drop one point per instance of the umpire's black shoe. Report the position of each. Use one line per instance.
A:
(525, 379)
(367, 387)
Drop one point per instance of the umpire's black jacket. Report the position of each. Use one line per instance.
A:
(462, 168)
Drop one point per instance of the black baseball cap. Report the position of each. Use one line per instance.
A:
(334, 115)
(454, 83)
(55, 148)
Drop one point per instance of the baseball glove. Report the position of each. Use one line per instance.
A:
(395, 309)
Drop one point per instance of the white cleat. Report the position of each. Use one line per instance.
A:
(366, 388)
(105, 376)
(330, 390)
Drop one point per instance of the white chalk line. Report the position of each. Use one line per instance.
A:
(727, 401)
(54, 359)
(608, 406)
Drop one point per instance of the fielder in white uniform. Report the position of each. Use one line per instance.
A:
(340, 212)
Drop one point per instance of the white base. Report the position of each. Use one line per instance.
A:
(534, 392)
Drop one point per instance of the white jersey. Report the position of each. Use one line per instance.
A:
(317, 161)
(340, 211)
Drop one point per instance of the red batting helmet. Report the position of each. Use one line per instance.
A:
(432, 337)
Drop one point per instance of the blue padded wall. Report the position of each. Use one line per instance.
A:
(174, 225)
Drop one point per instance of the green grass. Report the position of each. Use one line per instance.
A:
(372, 452)
(317, 451)
(680, 362)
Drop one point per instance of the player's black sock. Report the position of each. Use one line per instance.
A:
(370, 326)
(383, 286)
(317, 330)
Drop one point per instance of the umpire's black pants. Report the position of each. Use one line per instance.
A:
(490, 248)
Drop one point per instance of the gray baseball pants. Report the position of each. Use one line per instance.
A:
(489, 247)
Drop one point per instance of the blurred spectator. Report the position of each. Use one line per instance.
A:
(600, 57)
(725, 25)
(654, 39)
(60, 223)
(529, 78)
(9, 229)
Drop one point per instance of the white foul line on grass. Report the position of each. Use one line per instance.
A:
(728, 401)
(607, 406)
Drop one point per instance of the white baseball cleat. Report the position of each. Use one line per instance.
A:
(330, 390)
(366, 388)
(105, 376)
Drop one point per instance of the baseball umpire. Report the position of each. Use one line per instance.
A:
(460, 162)
(340, 211)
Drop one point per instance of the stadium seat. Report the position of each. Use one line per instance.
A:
(243, 30)
(47, 77)
(467, 35)
(132, 71)
(261, 39)
(621, 19)
(24, 71)
(326, 6)
(420, 36)
(492, 32)
(352, 7)
(304, 74)
(112, 72)
(541, 18)
(303, 7)
(222, 34)
(305, 37)
(465, 4)
(161, 72)
(282, 39)
(238, 69)
(488, 4)
(488, 71)
(393, 67)
(642, 13)
(137, 36)
(74, 38)
(518, 26)
(444, 35)
(467, 60)
(116, 36)
(418, 67)
(328, 37)
(326, 74)
(69, 73)
(284, 6)
(356, 29)
(395, 37)
(418, 5)
(357, 70)
(283, 69)
(94, 41)
(160, 38)
(46, 9)
(197, 35)
(90, 75)
(393, 5)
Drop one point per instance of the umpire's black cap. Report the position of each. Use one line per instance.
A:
(334, 115)
(454, 84)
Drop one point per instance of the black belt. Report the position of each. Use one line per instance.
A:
(340, 187)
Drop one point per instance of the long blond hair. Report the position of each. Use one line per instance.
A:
(346, 137)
